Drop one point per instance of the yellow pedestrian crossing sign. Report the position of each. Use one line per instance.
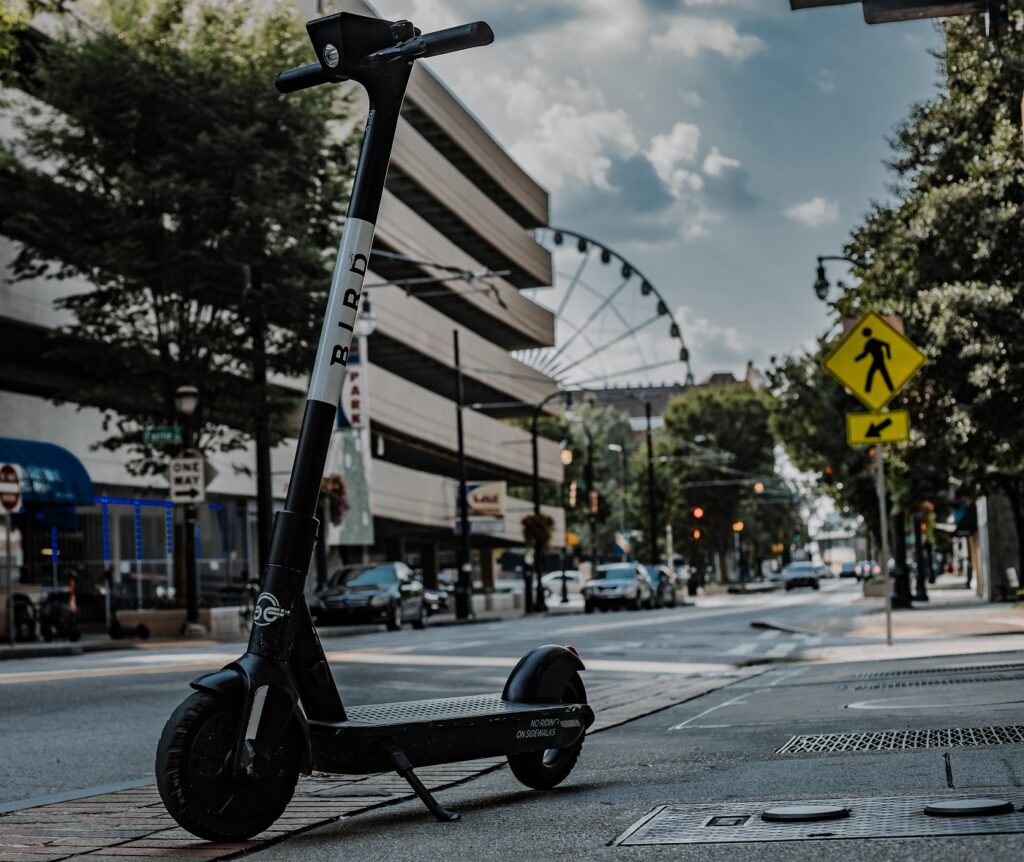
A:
(874, 360)
(864, 429)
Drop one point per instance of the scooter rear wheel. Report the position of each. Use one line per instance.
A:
(543, 770)
(193, 772)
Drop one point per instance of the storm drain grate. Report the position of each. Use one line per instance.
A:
(977, 668)
(898, 740)
(949, 680)
(890, 817)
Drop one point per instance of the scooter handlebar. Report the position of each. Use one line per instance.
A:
(474, 35)
(294, 80)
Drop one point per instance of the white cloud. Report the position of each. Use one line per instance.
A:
(823, 80)
(714, 347)
(715, 163)
(572, 143)
(691, 36)
(816, 212)
(667, 152)
(690, 98)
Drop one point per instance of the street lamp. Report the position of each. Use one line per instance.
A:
(186, 400)
(366, 325)
(737, 528)
(615, 447)
(821, 284)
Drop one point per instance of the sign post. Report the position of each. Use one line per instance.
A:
(883, 522)
(10, 499)
(874, 360)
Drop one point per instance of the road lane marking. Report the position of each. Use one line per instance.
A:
(733, 702)
(366, 657)
(781, 650)
(743, 649)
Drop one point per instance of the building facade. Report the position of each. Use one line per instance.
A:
(454, 199)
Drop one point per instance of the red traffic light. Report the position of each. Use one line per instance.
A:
(698, 512)
(697, 533)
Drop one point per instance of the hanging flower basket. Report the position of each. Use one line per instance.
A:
(333, 489)
(537, 529)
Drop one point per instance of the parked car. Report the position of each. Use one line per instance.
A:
(372, 593)
(553, 582)
(665, 584)
(618, 585)
(824, 571)
(777, 577)
(849, 570)
(800, 575)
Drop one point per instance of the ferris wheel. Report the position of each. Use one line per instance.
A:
(612, 326)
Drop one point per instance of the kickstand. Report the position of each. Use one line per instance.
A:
(402, 766)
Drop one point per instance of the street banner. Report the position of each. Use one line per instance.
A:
(874, 360)
(866, 429)
(349, 455)
(485, 507)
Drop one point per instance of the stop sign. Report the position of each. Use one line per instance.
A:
(10, 488)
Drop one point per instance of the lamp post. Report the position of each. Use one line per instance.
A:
(615, 447)
(186, 400)
(464, 585)
(652, 513)
(821, 284)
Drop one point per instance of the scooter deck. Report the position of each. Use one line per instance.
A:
(444, 730)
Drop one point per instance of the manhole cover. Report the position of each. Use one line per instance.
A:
(976, 668)
(804, 813)
(889, 817)
(900, 740)
(969, 807)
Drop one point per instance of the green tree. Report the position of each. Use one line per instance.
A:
(717, 445)
(159, 165)
(947, 256)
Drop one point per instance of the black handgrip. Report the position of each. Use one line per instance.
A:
(473, 35)
(294, 80)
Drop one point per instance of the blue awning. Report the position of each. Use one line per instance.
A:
(50, 474)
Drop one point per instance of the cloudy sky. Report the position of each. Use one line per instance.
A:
(721, 144)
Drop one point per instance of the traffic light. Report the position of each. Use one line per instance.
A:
(698, 512)
(829, 475)
(697, 534)
(572, 494)
(595, 502)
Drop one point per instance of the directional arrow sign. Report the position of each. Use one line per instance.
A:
(874, 360)
(865, 429)
(187, 481)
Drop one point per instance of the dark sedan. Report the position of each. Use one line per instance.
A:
(800, 575)
(372, 593)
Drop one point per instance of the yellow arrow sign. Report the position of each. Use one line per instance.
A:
(874, 360)
(863, 429)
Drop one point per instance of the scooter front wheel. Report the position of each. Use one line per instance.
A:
(543, 770)
(193, 772)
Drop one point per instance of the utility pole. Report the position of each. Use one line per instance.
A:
(464, 585)
(883, 520)
(261, 432)
(652, 515)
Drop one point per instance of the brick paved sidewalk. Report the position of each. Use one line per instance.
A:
(132, 824)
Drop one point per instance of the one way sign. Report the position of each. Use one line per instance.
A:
(187, 480)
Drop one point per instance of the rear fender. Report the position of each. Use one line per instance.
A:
(542, 675)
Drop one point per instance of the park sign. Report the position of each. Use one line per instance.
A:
(866, 429)
(874, 360)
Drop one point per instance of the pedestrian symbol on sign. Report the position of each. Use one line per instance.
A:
(874, 360)
(874, 348)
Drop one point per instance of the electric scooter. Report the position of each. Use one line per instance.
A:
(230, 755)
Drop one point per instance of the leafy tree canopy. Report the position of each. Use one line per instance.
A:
(158, 164)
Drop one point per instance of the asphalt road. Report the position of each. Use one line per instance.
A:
(90, 721)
